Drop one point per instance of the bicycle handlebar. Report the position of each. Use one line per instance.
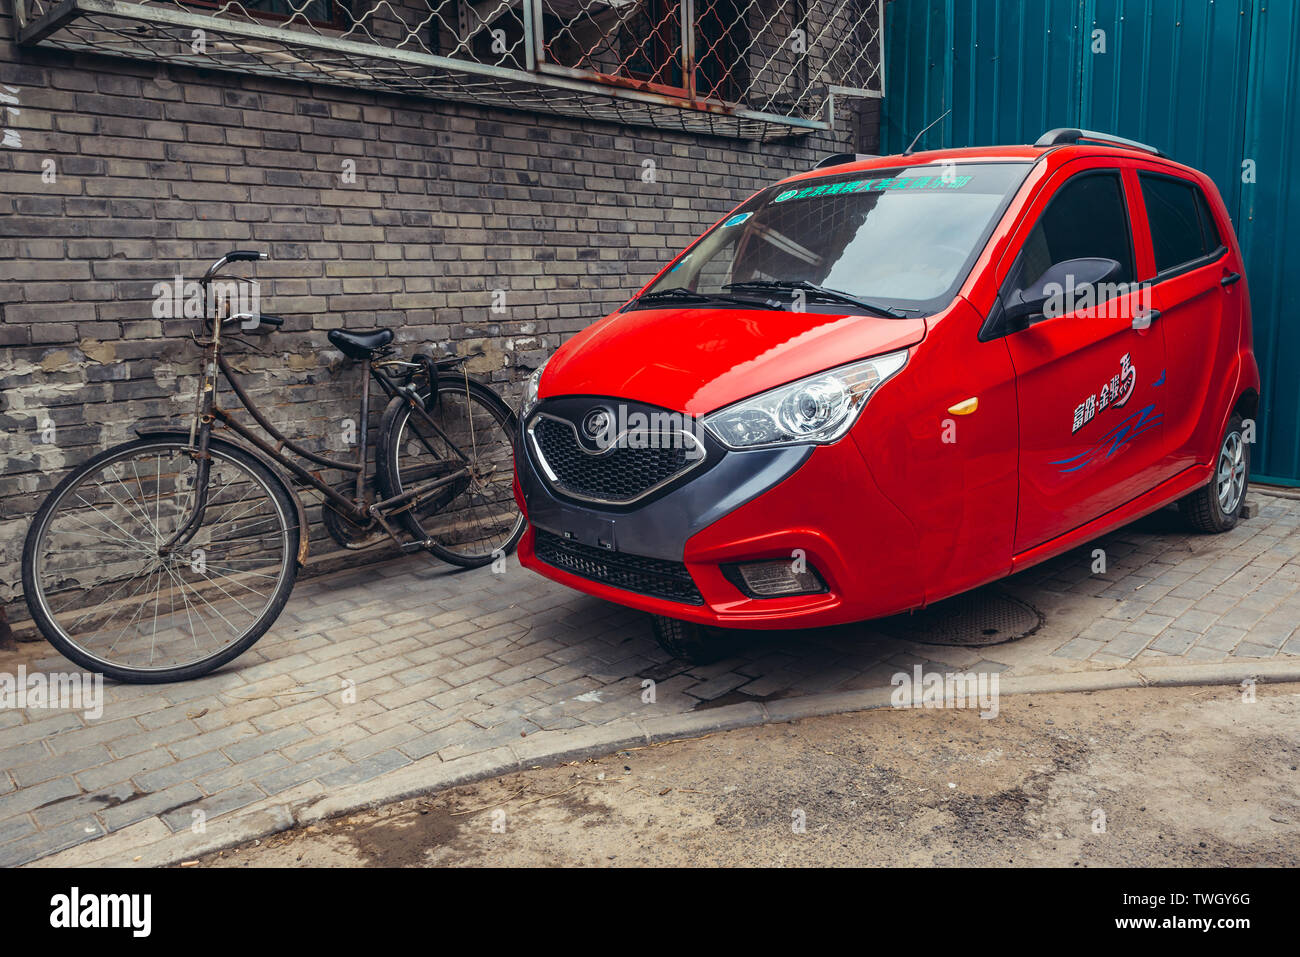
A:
(243, 255)
(234, 256)
(257, 321)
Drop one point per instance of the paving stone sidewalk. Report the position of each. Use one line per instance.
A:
(371, 670)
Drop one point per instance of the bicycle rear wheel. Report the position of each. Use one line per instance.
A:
(105, 591)
(473, 518)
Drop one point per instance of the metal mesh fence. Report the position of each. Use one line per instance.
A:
(747, 68)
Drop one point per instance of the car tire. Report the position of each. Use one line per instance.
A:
(1216, 506)
(698, 644)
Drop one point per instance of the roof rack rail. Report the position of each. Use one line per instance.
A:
(1063, 135)
(838, 159)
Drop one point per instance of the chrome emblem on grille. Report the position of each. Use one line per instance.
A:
(595, 424)
(587, 457)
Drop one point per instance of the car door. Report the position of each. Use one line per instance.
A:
(1087, 381)
(1197, 302)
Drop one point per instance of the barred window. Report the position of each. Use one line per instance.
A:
(651, 43)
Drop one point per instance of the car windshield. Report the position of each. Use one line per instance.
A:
(898, 240)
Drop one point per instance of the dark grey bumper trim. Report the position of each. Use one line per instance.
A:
(660, 528)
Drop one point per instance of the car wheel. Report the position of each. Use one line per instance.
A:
(691, 642)
(1216, 506)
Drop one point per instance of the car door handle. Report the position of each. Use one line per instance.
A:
(1229, 279)
(1142, 320)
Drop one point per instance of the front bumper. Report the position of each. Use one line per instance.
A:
(816, 501)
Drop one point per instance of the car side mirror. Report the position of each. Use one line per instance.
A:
(1064, 278)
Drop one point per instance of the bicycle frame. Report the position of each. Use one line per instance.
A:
(207, 414)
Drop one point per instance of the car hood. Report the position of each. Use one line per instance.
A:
(697, 360)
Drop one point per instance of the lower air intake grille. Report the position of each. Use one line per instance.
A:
(649, 576)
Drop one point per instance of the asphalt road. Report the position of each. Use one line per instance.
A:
(1182, 776)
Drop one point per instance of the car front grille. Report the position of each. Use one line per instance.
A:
(619, 475)
(648, 576)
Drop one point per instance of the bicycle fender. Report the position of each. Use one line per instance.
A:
(184, 436)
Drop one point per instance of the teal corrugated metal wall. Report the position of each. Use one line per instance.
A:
(1214, 83)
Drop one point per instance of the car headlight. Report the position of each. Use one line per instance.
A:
(530, 390)
(820, 408)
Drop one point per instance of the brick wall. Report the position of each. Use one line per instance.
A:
(156, 171)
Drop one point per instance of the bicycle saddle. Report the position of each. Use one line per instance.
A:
(360, 345)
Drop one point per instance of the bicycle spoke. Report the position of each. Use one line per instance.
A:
(129, 498)
(107, 589)
(186, 602)
(472, 517)
(214, 608)
(243, 571)
(111, 538)
(218, 587)
(132, 619)
(143, 498)
(105, 602)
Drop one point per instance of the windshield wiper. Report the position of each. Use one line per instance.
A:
(811, 287)
(682, 294)
(674, 292)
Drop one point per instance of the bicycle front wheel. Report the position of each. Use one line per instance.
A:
(474, 518)
(106, 590)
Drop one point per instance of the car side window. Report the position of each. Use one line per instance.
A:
(1086, 218)
(1182, 229)
(1209, 231)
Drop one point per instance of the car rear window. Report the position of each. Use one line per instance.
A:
(1182, 229)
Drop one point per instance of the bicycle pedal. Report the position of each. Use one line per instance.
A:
(421, 546)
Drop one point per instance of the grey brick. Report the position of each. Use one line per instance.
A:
(1126, 645)
(1222, 638)
(23, 754)
(1174, 641)
(82, 805)
(715, 687)
(1149, 624)
(98, 732)
(1271, 633)
(181, 772)
(1248, 650)
(115, 772)
(29, 799)
(1078, 649)
(43, 728)
(13, 828)
(43, 843)
(74, 762)
(365, 769)
(230, 734)
(186, 711)
(148, 805)
(237, 774)
(131, 744)
(221, 803)
(295, 774)
(270, 741)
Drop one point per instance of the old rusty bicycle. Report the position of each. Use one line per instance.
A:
(167, 556)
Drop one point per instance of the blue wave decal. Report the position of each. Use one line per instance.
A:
(1116, 440)
(1161, 381)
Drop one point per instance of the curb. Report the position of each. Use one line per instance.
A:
(433, 774)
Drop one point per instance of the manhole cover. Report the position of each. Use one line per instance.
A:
(977, 618)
